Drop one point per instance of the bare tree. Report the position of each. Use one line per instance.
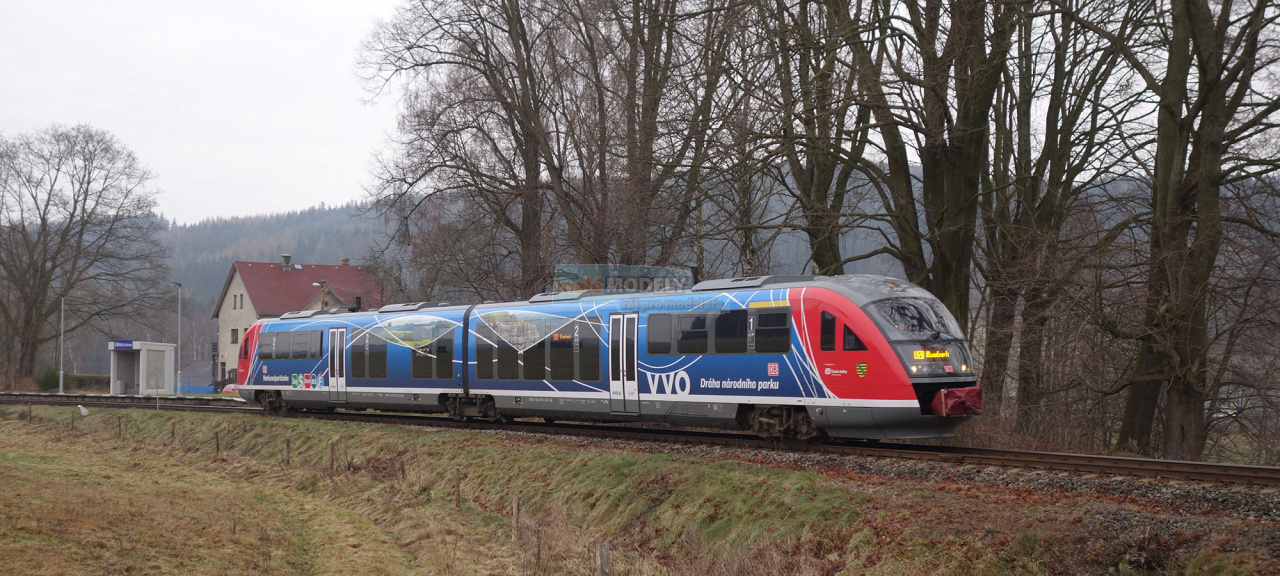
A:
(473, 119)
(927, 75)
(78, 224)
(1073, 85)
(1206, 70)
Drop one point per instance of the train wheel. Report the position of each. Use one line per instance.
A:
(270, 402)
(783, 422)
(480, 407)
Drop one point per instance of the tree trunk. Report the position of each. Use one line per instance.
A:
(1031, 413)
(998, 344)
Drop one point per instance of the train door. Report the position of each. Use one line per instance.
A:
(624, 394)
(337, 364)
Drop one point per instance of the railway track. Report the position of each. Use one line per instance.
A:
(1024, 459)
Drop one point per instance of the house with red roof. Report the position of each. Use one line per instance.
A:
(257, 290)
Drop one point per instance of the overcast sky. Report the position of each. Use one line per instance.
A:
(239, 107)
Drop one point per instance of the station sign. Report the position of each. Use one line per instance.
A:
(122, 344)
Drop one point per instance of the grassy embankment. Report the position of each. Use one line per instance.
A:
(381, 500)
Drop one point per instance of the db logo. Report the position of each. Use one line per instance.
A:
(773, 368)
(826, 371)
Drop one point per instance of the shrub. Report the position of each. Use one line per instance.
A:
(87, 381)
(47, 379)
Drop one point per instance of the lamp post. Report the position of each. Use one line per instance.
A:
(322, 285)
(177, 385)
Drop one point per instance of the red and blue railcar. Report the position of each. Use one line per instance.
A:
(853, 356)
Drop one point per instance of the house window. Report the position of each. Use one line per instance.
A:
(235, 336)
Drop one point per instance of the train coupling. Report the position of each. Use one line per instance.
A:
(956, 402)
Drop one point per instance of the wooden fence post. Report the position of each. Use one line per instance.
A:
(217, 445)
(457, 487)
(603, 567)
(332, 456)
(515, 517)
(288, 450)
(120, 427)
(29, 421)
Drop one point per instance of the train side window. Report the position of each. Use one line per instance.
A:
(615, 349)
(827, 342)
(731, 332)
(562, 353)
(773, 332)
(317, 345)
(535, 361)
(422, 365)
(589, 350)
(266, 346)
(444, 355)
(359, 353)
(377, 356)
(301, 345)
(508, 365)
(693, 334)
(659, 334)
(484, 352)
(851, 340)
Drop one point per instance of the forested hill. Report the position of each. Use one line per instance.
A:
(202, 253)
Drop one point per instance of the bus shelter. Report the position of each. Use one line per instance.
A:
(141, 368)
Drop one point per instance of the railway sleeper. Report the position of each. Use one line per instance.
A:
(781, 422)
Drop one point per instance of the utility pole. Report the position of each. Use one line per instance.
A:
(62, 339)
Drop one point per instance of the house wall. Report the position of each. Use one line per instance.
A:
(231, 315)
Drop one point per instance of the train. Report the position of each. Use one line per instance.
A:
(794, 357)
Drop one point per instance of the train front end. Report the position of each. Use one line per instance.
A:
(895, 349)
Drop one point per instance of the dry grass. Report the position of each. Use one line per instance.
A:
(359, 499)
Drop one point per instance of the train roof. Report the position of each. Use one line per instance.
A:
(861, 289)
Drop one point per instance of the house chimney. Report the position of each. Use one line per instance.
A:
(344, 261)
(284, 261)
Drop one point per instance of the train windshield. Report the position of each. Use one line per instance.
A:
(914, 319)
